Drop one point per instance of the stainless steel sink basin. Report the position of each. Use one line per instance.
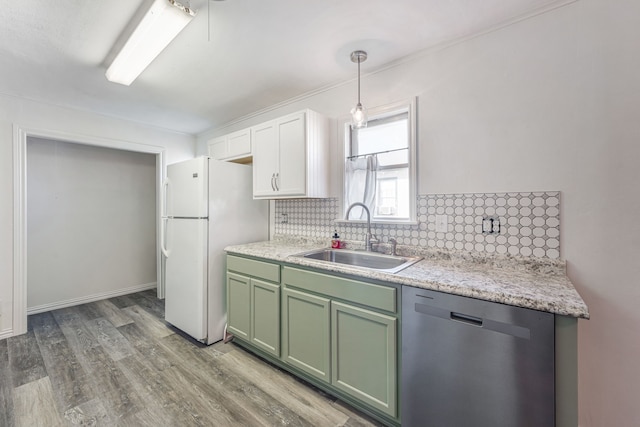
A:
(370, 260)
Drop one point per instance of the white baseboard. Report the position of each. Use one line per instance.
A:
(89, 298)
(6, 333)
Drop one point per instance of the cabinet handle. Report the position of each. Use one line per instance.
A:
(276, 181)
(273, 177)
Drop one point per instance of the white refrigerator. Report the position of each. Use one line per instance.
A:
(208, 205)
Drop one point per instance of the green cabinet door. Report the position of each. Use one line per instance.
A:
(238, 305)
(363, 355)
(265, 316)
(305, 333)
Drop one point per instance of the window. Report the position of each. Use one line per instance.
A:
(379, 165)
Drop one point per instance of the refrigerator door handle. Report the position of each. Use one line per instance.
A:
(163, 197)
(163, 233)
(163, 213)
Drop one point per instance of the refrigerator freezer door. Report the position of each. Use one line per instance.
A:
(186, 276)
(187, 189)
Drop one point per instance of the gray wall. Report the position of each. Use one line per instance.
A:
(91, 221)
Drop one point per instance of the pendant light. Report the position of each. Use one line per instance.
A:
(358, 113)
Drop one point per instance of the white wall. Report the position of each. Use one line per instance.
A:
(91, 222)
(33, 115)
(549, 103)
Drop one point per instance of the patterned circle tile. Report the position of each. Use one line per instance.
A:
(526, 251)
(553, 253)
(525, 211)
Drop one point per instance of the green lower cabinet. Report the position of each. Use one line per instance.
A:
(265, 316)
(253, 312)
(363, 356)
(305, 333)
(340, 334)
(238, 305)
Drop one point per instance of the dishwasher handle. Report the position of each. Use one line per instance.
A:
(465, 318)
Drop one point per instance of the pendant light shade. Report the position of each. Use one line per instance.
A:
(358, 113)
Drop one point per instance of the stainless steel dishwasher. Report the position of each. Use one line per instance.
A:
(468, 362)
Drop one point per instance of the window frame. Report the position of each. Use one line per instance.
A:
(344, 134)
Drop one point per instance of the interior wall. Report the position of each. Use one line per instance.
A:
(44, 117)
(548, 103)
(91, 222)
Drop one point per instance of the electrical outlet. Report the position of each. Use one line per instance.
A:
(442, 223)
(491, 225)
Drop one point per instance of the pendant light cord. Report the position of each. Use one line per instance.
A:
(358, 80)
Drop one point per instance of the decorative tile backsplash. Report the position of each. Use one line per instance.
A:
(529, 222)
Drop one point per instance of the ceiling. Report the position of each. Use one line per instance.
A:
(235, 58)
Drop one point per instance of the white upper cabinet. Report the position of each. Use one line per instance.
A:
(268, 155)
(236, 145)
(218, 148)
(290, 157)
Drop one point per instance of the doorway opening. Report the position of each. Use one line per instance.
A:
(23, 137)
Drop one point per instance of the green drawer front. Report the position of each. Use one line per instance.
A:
(262, 270)
(376, 296)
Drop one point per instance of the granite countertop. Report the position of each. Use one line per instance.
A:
(539, 284)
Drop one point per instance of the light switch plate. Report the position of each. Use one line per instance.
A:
(442, 223)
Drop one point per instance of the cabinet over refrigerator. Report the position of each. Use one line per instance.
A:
(208, 205)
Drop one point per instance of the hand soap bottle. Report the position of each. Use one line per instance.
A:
(335, 240)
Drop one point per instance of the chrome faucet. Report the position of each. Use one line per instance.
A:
(369, 236)
(393, 243)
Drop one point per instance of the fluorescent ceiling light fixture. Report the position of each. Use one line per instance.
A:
(162, 23)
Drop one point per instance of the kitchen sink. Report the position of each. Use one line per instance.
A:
(370, 260)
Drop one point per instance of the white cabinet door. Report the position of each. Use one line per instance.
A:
(266, 159)
(291, 179)
(290, 157)
(239, 144)
(218, 148)
(235, 145)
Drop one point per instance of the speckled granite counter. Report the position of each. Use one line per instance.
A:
(522, 282)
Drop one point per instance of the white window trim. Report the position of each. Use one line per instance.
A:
(343, 132)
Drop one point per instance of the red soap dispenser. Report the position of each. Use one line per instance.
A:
(335, 240)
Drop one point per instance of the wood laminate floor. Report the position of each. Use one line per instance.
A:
(116, 362)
